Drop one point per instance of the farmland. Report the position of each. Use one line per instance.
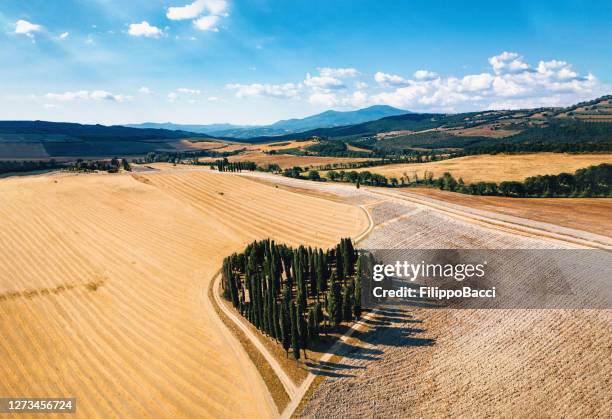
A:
(128, 315)
(418, 362)
(103, 287)
(496, 168)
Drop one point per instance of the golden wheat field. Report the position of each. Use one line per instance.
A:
(496, 168)
(103, 282)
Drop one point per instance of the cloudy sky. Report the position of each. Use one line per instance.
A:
(257, 61)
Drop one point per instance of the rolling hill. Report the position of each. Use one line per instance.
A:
(42, 139)
(584, 122)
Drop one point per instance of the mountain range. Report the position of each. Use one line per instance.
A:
(585, 126)
(327, 119)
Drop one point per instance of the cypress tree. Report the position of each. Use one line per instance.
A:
(339, 263)
(347, 303)
(320, 274)
(302, 330)
(277, 322)
(334, 302)
(357, 298)
(312, 328)
(285, 321)
(295, 338)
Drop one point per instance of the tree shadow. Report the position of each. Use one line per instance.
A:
(331, 369)
(389, 327)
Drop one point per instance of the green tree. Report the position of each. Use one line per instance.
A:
(295, 338)
(334, 302)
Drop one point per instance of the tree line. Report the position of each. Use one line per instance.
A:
(112, 166)
(28, 165)
(224, 165)
(292, 294)
(177, 157)
(593, 181)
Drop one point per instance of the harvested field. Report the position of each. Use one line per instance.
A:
(415, 362)
(496, 168)
(284, 145)
(580, 213)
(484, 131)
(103, 282)
(187, 145)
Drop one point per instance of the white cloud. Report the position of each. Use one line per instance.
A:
(64, 35)
(23, 27)
(508, 62)
(425, 75)
(145, 90)
(338, 72)
(195, 9)
(213, 99)
(87, 95)
(207, 23)
(216, 7)
(279, 91)
(512, 83)
(184, 93)
(323, 99)
(477, 82)
(189, 11)
(196, 92)
(145, 29)
(323, 82)
(385, 79)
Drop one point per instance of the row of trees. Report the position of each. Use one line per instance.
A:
(28, 166)
(593, 181)
(111, 166)
(294, 294)
(224, 165)
(505, 147)
(177, 157)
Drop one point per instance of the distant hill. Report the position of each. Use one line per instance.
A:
(325, 119)
(585, 126)
(587, 122)
(42, 139)
(202, 129)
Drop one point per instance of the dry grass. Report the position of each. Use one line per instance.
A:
(496, 168)
(145, 343)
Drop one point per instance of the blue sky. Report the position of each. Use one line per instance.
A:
(252, 62)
